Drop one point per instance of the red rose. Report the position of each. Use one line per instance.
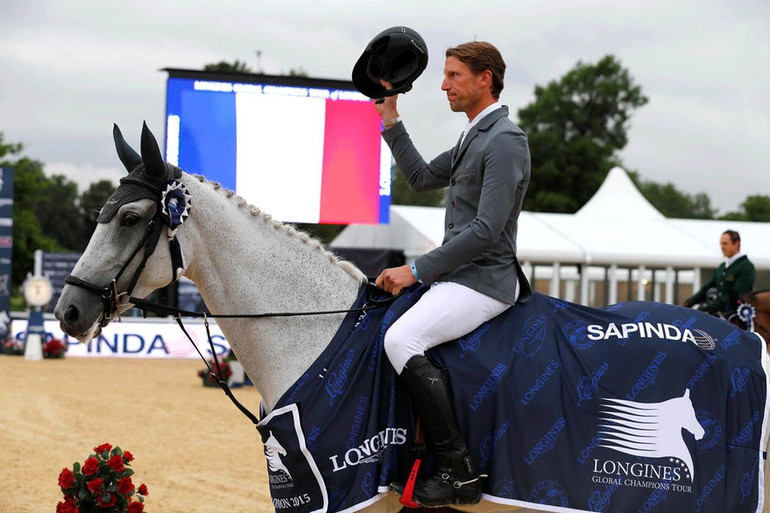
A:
(90, 466)
(107, 500)
(143, 489)
(134, 507)
(101, 448)
(68, 506)
(116, 463)
(127, 456)
(125, 485)
(66, 479)
(95, 485)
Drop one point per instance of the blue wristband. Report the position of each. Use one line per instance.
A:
(414, 270)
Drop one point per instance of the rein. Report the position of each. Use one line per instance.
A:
(171, 311)
(177, 314)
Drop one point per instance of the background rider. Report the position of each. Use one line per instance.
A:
(733, 278)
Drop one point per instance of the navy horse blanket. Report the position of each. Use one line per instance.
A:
(639, 406)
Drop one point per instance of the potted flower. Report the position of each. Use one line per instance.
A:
(224, 372)
(54, 348)
(102, 484)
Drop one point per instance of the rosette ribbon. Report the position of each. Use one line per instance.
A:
(176, 204)
(746, 313)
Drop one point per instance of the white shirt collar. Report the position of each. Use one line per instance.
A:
(475, 121)
(732, 259)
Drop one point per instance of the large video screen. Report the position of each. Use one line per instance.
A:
(303, 150)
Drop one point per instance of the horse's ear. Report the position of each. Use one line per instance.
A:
(686, 393)
(126, 153)
(153, 161)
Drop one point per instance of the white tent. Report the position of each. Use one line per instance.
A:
(616, 228)
(619, 226)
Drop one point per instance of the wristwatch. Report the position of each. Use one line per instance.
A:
(390, 122)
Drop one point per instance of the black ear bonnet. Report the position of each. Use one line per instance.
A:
(147, 174)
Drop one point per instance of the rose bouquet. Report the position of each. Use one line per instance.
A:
(225, 371)
(102, 484)
(54, 348)
(13, 346)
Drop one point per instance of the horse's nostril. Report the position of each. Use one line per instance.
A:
(71, 314)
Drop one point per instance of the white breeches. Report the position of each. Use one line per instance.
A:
(447, 311)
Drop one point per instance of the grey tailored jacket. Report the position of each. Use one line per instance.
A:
(487, 179)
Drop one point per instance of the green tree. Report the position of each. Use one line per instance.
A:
(59, 213)
(8, 148)
(297, 72)
(29, 196)
(576, 126)
(48, 212)
(754, 208)
(671, 202)
(235, 66)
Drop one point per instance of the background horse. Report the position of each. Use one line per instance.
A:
(162, 223)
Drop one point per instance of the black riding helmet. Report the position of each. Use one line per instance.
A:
(398, 55)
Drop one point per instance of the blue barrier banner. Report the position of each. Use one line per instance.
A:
(6, 247)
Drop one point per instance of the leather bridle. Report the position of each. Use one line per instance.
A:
(109, 294)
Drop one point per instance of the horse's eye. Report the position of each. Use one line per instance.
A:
(129, 219)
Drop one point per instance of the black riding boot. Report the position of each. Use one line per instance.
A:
(454, 480)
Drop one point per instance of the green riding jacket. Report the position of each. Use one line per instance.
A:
(730, 282)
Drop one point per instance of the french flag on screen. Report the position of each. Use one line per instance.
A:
(300, 159)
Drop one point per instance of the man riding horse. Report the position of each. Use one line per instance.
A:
(734, 277)
(474, 275)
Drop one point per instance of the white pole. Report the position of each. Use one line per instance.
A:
(33, 349)
(584, 281)
(613, 285)
(38, 262)
(670, 284)
(696, 280)
(640, 283)
(569, 291)
(553, 290)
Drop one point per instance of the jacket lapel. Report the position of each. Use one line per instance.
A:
(456, 150)
(481, 126)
